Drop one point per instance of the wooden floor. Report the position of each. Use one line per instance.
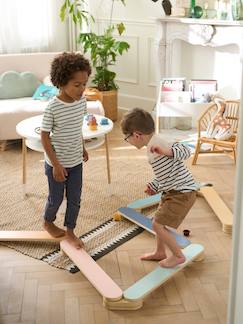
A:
(33, 292)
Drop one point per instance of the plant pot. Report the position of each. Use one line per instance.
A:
(110, 104)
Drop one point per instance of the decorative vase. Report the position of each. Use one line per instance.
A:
(110, 104)
(198, 12)
(192, 6)
(166, 4)
(237, 9)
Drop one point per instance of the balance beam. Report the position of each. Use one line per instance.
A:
(136, 293)
(93, 272)
(146, 223)
(160, 275)
(146, 202)
(27, 236)
(223, 213)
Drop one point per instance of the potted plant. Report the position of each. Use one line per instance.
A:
(103, 50)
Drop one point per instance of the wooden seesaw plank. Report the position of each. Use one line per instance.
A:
(157, 277)
(142, 203)
(27, 236)
(93, 272)
(152, 200)
(146, 223)
(219, 207)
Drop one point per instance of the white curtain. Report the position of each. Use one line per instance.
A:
(31, 26)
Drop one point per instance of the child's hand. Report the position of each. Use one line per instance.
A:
(161, 150)
(149, 191)
(157, 149)
(59, 173)
(85, 155)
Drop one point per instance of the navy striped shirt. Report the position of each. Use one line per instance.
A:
(64, 121)
(170, 172)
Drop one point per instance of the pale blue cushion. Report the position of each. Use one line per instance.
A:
(17, 85)
(45, 92)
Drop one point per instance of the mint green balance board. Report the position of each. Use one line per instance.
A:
(146, 223)
(145, 202)
(158, 276)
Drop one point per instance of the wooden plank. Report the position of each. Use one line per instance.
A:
(146, 223)
(219, 207)
(149, 201)
(92, 271)
(27, 236)
(145, 202)
(122, 304)
(158, 276)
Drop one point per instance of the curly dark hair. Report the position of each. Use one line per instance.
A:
(65, 65)
(137, 120)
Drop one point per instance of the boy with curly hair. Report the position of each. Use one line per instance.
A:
(172, 179)
(61, 136)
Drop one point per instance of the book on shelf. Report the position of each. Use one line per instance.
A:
(202, 90)
(173, 84)
(175, 96)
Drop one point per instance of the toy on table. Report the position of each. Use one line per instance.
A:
(104, 121)
(92, 123)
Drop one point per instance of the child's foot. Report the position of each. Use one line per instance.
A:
(74, 241)
(53, 230)
(154, 256)
(172, 261)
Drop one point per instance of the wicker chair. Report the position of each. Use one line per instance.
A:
(218, 146)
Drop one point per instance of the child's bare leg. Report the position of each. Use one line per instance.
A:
(177, 256)
(73, 239)
(53, 230)
(159, 254)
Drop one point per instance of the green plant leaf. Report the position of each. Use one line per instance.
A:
(121, 28)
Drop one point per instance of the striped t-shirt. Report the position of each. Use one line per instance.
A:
(170, 172)
(64, 121)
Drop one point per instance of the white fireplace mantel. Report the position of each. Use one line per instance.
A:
(199, 32)
(213, 33)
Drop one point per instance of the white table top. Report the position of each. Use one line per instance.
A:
(27, 128)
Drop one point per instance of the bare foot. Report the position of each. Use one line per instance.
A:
(172, 261)
(75, 241)
(154, 256)
(53, 230)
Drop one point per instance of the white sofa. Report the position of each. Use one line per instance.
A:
(12, 111)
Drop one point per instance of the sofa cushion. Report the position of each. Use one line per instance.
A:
(45, 92)
(17, 85)
(12, 111)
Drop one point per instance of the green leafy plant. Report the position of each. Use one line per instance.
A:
(103, 49)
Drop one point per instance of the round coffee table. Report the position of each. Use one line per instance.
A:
(29, 130)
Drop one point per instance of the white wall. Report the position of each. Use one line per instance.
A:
(135, 69)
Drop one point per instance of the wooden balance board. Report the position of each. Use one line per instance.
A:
(27, 236)
(149, 201)
(146, 223)
(145, 202)
(93, 272)
(219, 207)
(158, 276)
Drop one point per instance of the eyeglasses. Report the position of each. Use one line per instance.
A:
(127, 137)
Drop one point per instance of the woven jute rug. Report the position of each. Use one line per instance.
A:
(129, 173)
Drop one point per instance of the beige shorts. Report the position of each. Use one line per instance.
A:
(173, 207)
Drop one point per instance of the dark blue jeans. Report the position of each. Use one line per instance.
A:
(73, 186)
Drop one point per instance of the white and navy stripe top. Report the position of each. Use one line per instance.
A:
(170, 172)
(64, 121)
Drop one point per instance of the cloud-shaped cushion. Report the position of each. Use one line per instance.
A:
(17, 85)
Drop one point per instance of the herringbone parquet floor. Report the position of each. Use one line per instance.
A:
(32, 292)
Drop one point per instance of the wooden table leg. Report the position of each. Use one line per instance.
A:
(24, 151)
(107, 159)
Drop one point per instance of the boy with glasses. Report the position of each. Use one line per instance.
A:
(172, 179)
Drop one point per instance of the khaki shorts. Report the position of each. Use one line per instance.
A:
(173, 207)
